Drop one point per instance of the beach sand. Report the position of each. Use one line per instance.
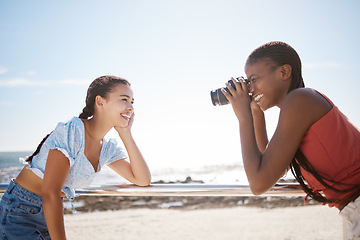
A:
(241, 222)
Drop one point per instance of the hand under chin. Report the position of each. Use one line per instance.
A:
(122, 126)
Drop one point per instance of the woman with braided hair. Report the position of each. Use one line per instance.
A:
(69, 158)
(313, 138)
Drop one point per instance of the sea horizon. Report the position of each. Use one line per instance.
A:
(223, 173)
(233, 173)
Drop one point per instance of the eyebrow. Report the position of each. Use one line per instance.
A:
(124, 95)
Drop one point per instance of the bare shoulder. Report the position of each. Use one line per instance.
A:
(306, 103)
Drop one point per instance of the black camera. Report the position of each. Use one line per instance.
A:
(218, 98)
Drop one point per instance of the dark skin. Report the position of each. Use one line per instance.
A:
(265, 162)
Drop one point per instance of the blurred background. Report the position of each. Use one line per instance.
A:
(174, 53)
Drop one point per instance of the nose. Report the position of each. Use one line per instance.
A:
(251, 87)
(131, 107)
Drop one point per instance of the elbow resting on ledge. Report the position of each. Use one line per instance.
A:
(143, 182)
(258, 189)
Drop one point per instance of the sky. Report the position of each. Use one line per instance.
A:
(174, 52)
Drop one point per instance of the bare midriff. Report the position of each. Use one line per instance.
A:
(30, 181)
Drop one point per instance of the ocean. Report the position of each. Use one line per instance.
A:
(10, 165)
(11, 159)
(232, 173)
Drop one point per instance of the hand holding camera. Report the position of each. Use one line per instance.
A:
(218, 97)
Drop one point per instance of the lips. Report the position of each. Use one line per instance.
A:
(126, 116)
(258, 97)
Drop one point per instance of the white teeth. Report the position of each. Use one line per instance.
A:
(258, 97)
(127, 116)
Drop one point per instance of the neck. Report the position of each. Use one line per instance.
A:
(281, 101)
(96, 128)
(284, 92)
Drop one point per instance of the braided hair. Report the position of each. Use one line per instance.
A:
(281, 53)
(101, 86)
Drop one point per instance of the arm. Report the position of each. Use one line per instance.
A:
(300, 109)
(137, 170)
(56, 170)
(260, 127)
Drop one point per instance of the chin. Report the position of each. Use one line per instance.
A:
(124, 124)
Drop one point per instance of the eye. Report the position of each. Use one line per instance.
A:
(127, 100)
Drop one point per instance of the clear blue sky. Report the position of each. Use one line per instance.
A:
(173, 53)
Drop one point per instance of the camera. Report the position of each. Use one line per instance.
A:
(218, 98)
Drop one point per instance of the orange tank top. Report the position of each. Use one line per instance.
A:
(332, 147)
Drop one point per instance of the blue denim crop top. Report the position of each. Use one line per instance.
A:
(69, 138)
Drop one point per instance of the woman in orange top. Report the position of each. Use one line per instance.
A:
(313, 137)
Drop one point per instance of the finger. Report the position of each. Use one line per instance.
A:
(244, 85)
(226, 94)
(237, 84)
(255, 106)
(230, 88)
(132, 116)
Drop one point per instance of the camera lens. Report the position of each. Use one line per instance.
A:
(218, 98)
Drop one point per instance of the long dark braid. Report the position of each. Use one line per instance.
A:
(100, 86)
(281, 53)
(300, 159)
(29, 159)
(296, 171)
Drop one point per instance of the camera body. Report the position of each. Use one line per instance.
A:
(218, 98)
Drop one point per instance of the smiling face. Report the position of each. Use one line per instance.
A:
(118, 105)
(268, 83)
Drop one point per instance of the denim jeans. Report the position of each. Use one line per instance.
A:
(21, 215)
(351, 220)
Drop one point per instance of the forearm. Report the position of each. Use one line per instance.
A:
(53, 211)
(56, 170)
(260, 129)
(252, 157)
(138, 164)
